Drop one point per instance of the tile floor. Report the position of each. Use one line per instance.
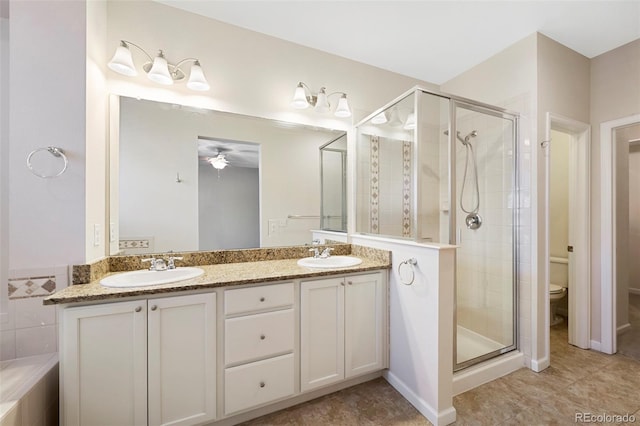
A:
(578, 381)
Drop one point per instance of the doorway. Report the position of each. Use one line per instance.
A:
(616, 269)
(574, 258)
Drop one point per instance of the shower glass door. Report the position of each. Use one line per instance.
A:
(482, 148)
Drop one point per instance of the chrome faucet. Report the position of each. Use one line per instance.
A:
(326, 252)
(158, 264)
(316, 252)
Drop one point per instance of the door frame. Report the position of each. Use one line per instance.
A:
(608, 273)
(579, 227)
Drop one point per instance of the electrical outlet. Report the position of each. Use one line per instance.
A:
(97, 235)
(112, 232)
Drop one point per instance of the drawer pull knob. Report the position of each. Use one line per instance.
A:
(139, 308)
(154, 307)
(262, 299)
(262, 337)
(350, 283)
(262, 384)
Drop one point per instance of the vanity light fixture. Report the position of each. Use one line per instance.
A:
(410, 123)
(380, 118)
(158, 69)
(303, 97)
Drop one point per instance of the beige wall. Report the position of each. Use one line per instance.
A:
(634, 213)
(615, 93)
(559, 194)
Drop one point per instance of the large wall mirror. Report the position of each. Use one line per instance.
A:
(187, 179)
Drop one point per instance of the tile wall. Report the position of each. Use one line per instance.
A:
(30, 328)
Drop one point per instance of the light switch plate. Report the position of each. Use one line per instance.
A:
(97, 237)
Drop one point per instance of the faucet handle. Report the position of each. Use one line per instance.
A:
(151, 260)
(172, 260)
(326, 252)
(316, 252)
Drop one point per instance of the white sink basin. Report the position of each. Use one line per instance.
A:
(330, 262)
(146, 277)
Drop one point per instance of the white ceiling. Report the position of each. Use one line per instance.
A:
(429, 40)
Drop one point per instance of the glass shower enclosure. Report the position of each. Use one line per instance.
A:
(435, 168)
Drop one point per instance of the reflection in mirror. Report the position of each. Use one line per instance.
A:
(333, 181)
(172, 193)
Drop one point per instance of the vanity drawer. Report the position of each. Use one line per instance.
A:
(250, 299)
(258, 336)
(257, 383)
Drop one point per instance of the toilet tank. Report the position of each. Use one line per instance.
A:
(559, 271)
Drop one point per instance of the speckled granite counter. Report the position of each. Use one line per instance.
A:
(224, 275)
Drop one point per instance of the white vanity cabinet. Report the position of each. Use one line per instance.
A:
(259, 345)
(341, 328)
(140, 362)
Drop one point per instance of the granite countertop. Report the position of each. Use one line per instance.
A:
(218, 275)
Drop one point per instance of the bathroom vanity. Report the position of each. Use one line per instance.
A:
(242, 340)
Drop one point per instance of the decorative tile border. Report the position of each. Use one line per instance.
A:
(133, 244)
(20, 288)
(406, 189)
(374, 211)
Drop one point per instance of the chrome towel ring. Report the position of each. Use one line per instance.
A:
(56, 152)
(406, 272)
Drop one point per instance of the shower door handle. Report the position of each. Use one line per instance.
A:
(570, 249)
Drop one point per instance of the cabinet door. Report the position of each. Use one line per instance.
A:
(364, 324)
(321, 332)
(104, 364)
(182, 359)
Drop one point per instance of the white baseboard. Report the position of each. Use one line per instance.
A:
(596, 346)
(538, 365)
(624, 328)
(442, 418)
(634, 290)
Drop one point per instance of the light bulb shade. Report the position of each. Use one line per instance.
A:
(322, 103)
(380, 118)
(299, 100)
(218, 162)
(343, 110)
(122, 62)
(410, 124)
(394, 120)
(197, 80)
(159, 72)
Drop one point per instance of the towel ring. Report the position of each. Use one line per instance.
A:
(56, 152)
(410, 263)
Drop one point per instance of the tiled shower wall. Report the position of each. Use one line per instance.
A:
(485, 257)
(30, 328)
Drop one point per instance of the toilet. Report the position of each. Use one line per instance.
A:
(556, 293)
(558, 286)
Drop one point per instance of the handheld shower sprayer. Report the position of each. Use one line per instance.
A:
(473, 219)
